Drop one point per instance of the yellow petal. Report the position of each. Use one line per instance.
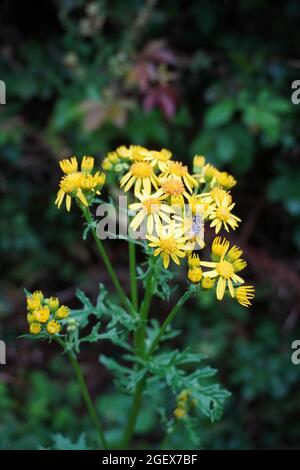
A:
(221, 288)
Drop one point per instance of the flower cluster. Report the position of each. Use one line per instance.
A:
(174, 206)
(184, 403)
(45, 314)
(81, 185)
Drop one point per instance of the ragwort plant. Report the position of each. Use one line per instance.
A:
(172, 206)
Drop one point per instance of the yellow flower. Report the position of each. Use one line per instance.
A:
(169, 244)
(225, 271)
(53, 327)
(110, 161)
(42, 314)
(174, 189)
(53, 303)
(195, 275)
(134, 152)
(70, 187)
(123, 151)
(207, 283)
(221, 215)
(184, 395)
(87, 164)
(179, 412)
(69, 165)
(198, 163)
(179, 171)
(152, 207)
(159, 159)
(225, 180)
(33, 303)
(210, 173)
(244, 294)
(87, 182)
(62, 312)
(35, 328)
(219, 245)
(31, 317)
(34, 300)
(194, 261)
(37, 294)
(142, 176)
(99, 179)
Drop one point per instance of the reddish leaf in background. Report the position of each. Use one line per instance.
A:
(163, 97)
(153, 75)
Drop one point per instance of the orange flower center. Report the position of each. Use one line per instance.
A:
(173, 187)
(141, 170)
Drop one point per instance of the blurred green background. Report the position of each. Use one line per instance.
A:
(212, 78)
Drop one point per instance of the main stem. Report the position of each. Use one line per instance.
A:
(137, 398)
(126, 303)
(85, 393)
(133, 275)
(140, 351)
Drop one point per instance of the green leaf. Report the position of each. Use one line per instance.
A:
(220, 113)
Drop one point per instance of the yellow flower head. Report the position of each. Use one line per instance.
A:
(210, 172)
(219, 245)
(169, 244)
(87, 164)
(179, 412)
(31, 317)
(207, 283)
(134, 152)
(87, 182)
(184, 395)
(81, 185)
(42, 314)
(153, 209)
(70, 186)
(179, 171)
(194, 261)
(35, 328)
(195, 275)
(225, 271)
(159, 159)
(53, 327)
(244, 295)
(62, 312)
(198, 163)
(33, 303)
(225, 180)
(53, 303)
(221, 216)
(99, 179)
(142, 176)
(69, 165)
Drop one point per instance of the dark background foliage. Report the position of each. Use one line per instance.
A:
(212, 78)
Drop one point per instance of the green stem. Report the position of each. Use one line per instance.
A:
(134, 412)
(85, 393)
(126, 303)
(137, 398)
(140, 351)
(144, 312)
(133, 275)
(168, 320)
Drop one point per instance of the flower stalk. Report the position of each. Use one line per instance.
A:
(85, 393)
